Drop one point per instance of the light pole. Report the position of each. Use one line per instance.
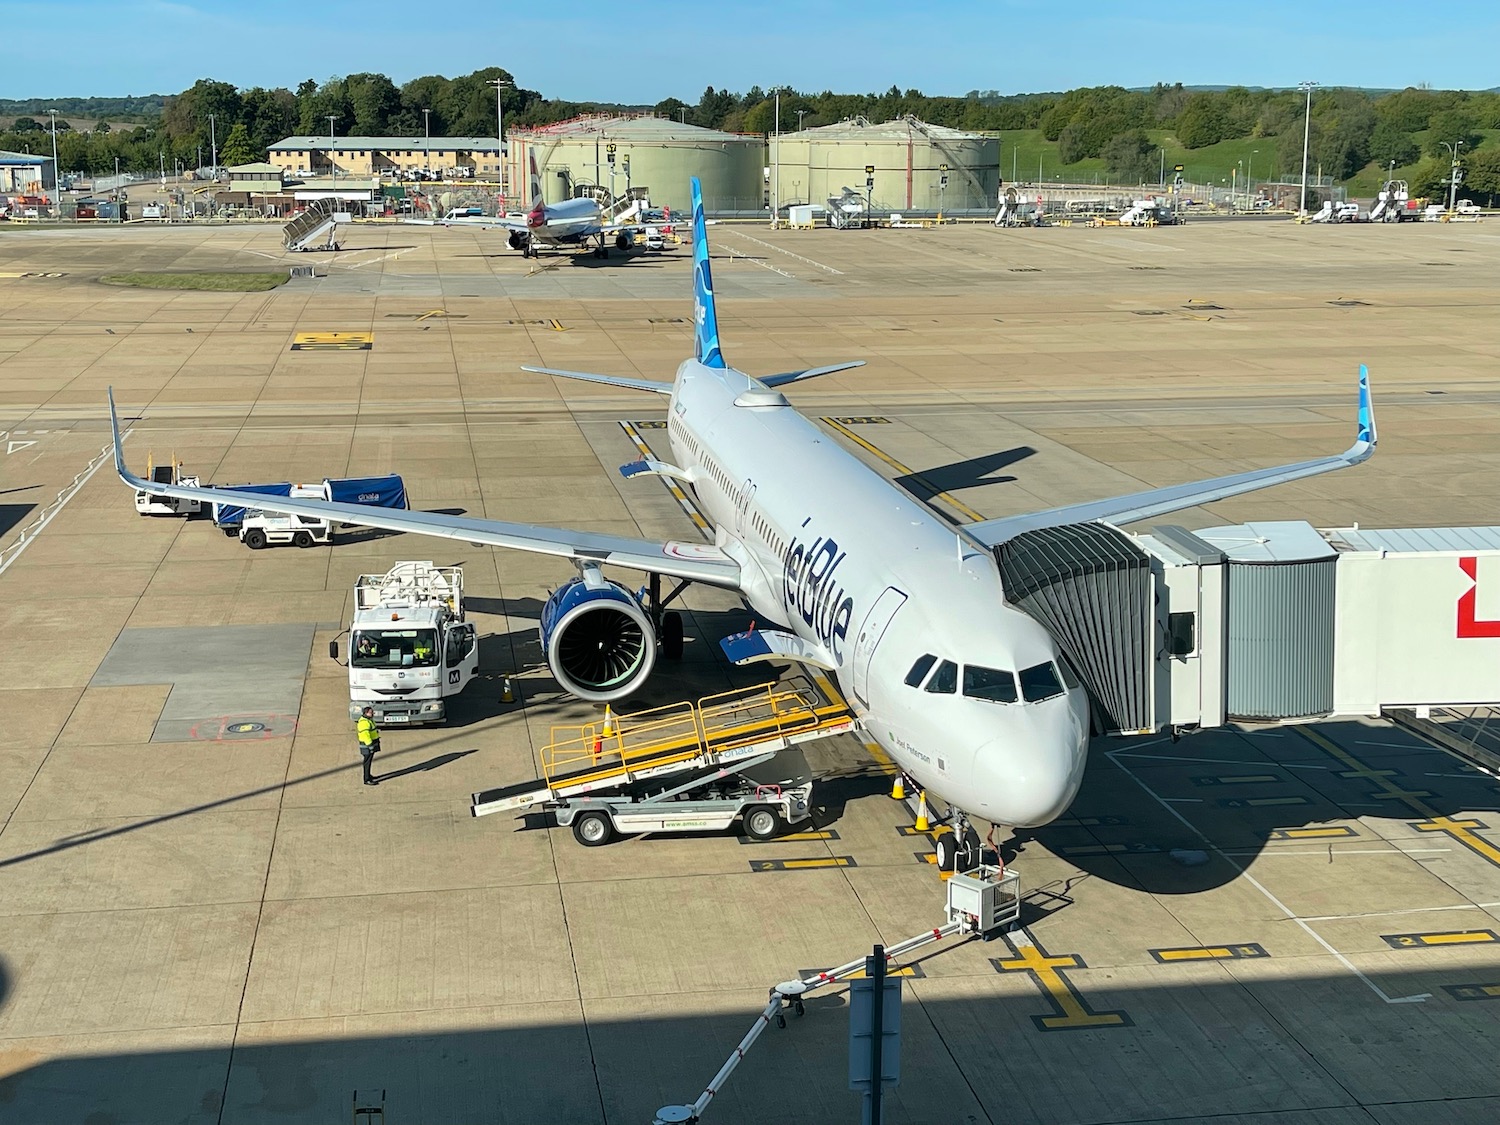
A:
(1163, 180)
(1250, 172)
(1453, 173)
(501, 85)
(55, 179)
(1306, 133)
(213, 146)
(332, 164)
(801, 113)
(427, 142)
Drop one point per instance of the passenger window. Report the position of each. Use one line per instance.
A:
(919, 670)
(1039, 683)
(945, 680)
(989, 683)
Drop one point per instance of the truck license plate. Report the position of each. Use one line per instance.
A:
(398, 718)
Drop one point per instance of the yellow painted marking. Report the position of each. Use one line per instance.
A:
(795, 837)
(1210, 953)
(1332, 832)
(1260, 802)
(1461, 831)
(1449, 937)
(1473, 991)
(1072, 1013)
(911, 972)
(1369, 772)
(913, 830)
(333, 341)
(904, 470)
(1238, 779)
(556, 326)
(430, 314)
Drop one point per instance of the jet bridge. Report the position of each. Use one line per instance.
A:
(667, 748)
(1265, 622)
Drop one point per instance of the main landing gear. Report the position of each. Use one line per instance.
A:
(668, 622)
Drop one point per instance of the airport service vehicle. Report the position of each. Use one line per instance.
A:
(1467, 207)
(383, 492)
(970, 695)
(260, 529)
(410, 649)
(1148, 212)
(148, 503)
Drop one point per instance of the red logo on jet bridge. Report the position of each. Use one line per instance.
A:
(1468, 624)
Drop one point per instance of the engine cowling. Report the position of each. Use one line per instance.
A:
(599, 642)
(518, 240)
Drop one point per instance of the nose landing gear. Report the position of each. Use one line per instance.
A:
(957, 844)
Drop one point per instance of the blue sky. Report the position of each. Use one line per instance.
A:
(587, 50)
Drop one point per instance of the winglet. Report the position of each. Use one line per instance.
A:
(114, 428)
(1367, 436)
(705, 318)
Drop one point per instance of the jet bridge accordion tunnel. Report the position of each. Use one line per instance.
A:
(1170, 629)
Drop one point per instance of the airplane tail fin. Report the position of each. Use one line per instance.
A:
(705, 318)
(537, 203)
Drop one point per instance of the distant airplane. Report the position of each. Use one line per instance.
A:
(971, 697)
(569, 225)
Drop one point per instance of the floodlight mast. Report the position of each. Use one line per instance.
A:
(1306, 135)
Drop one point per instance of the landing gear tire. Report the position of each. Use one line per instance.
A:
(946, 846)
(970, 850)
(762, 822)
(303, 539)
(593, 829)
(671, 635)
(255, 539)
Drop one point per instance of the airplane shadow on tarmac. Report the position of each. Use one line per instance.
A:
(959, 475)
(1183, 817)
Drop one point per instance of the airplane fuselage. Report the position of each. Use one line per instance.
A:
(570, 221)
(836, 554)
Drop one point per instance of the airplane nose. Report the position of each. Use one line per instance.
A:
(1032, 779)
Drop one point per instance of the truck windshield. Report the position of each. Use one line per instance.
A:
(394, 648)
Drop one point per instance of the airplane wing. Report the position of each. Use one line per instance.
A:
(607, 380)
(1160, 501)
(482, 222)
(696, 561)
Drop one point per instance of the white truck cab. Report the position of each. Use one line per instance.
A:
(410, 650)
(267, 529)
(154, 504)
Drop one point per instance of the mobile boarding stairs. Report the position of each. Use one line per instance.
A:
(687, 767)
(319, 223)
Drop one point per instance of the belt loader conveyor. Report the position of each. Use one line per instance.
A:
(691, 745)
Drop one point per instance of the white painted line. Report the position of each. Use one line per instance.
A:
(789, 254)
(29, 534)
(1418, 998)
(1322, 853)
(1395, 913)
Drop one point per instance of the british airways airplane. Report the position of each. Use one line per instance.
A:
(569, 225)
(971, 697)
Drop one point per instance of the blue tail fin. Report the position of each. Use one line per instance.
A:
(705, 318)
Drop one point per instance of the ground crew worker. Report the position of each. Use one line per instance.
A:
(422, 650)
(369, 741)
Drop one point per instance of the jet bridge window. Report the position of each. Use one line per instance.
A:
(992, 684)
(1181, 628)
(945, 680)
(1040, 682)
(919, 670)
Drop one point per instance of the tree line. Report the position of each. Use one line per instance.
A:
(1349, 130)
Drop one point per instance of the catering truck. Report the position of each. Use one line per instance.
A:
(381, 492)
(410, 649)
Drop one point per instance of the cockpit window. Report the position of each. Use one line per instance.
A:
(919, 670)
(989, 683)
(1070, 677)
(945, 680)
(1039, 683)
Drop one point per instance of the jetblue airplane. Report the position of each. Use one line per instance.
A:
(969, 696)
(569, 225)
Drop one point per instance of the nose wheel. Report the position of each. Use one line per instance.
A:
(958, 845)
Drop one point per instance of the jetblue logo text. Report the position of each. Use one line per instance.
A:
(812, 593)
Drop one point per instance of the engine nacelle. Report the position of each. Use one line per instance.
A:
(518, 240)
(599, 642)
(622, 241)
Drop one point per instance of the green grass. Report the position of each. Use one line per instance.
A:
(209, 282)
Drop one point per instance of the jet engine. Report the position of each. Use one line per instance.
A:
(518, 240)
(622, 241)
(599, 642)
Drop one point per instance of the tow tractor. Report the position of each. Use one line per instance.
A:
(688, 767)
(154, 504)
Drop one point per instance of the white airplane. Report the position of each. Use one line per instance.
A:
(569, 225)
(970, 697)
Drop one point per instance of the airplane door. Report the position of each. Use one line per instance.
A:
(742, 511)
(870, 632)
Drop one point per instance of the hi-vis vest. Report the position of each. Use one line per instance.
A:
(368, 731)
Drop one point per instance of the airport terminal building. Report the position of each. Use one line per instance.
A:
(302, 157)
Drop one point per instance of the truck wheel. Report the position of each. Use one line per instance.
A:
(671, 635)
(255, 538)
(762, 822)
(593, 829)
(303, 539)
